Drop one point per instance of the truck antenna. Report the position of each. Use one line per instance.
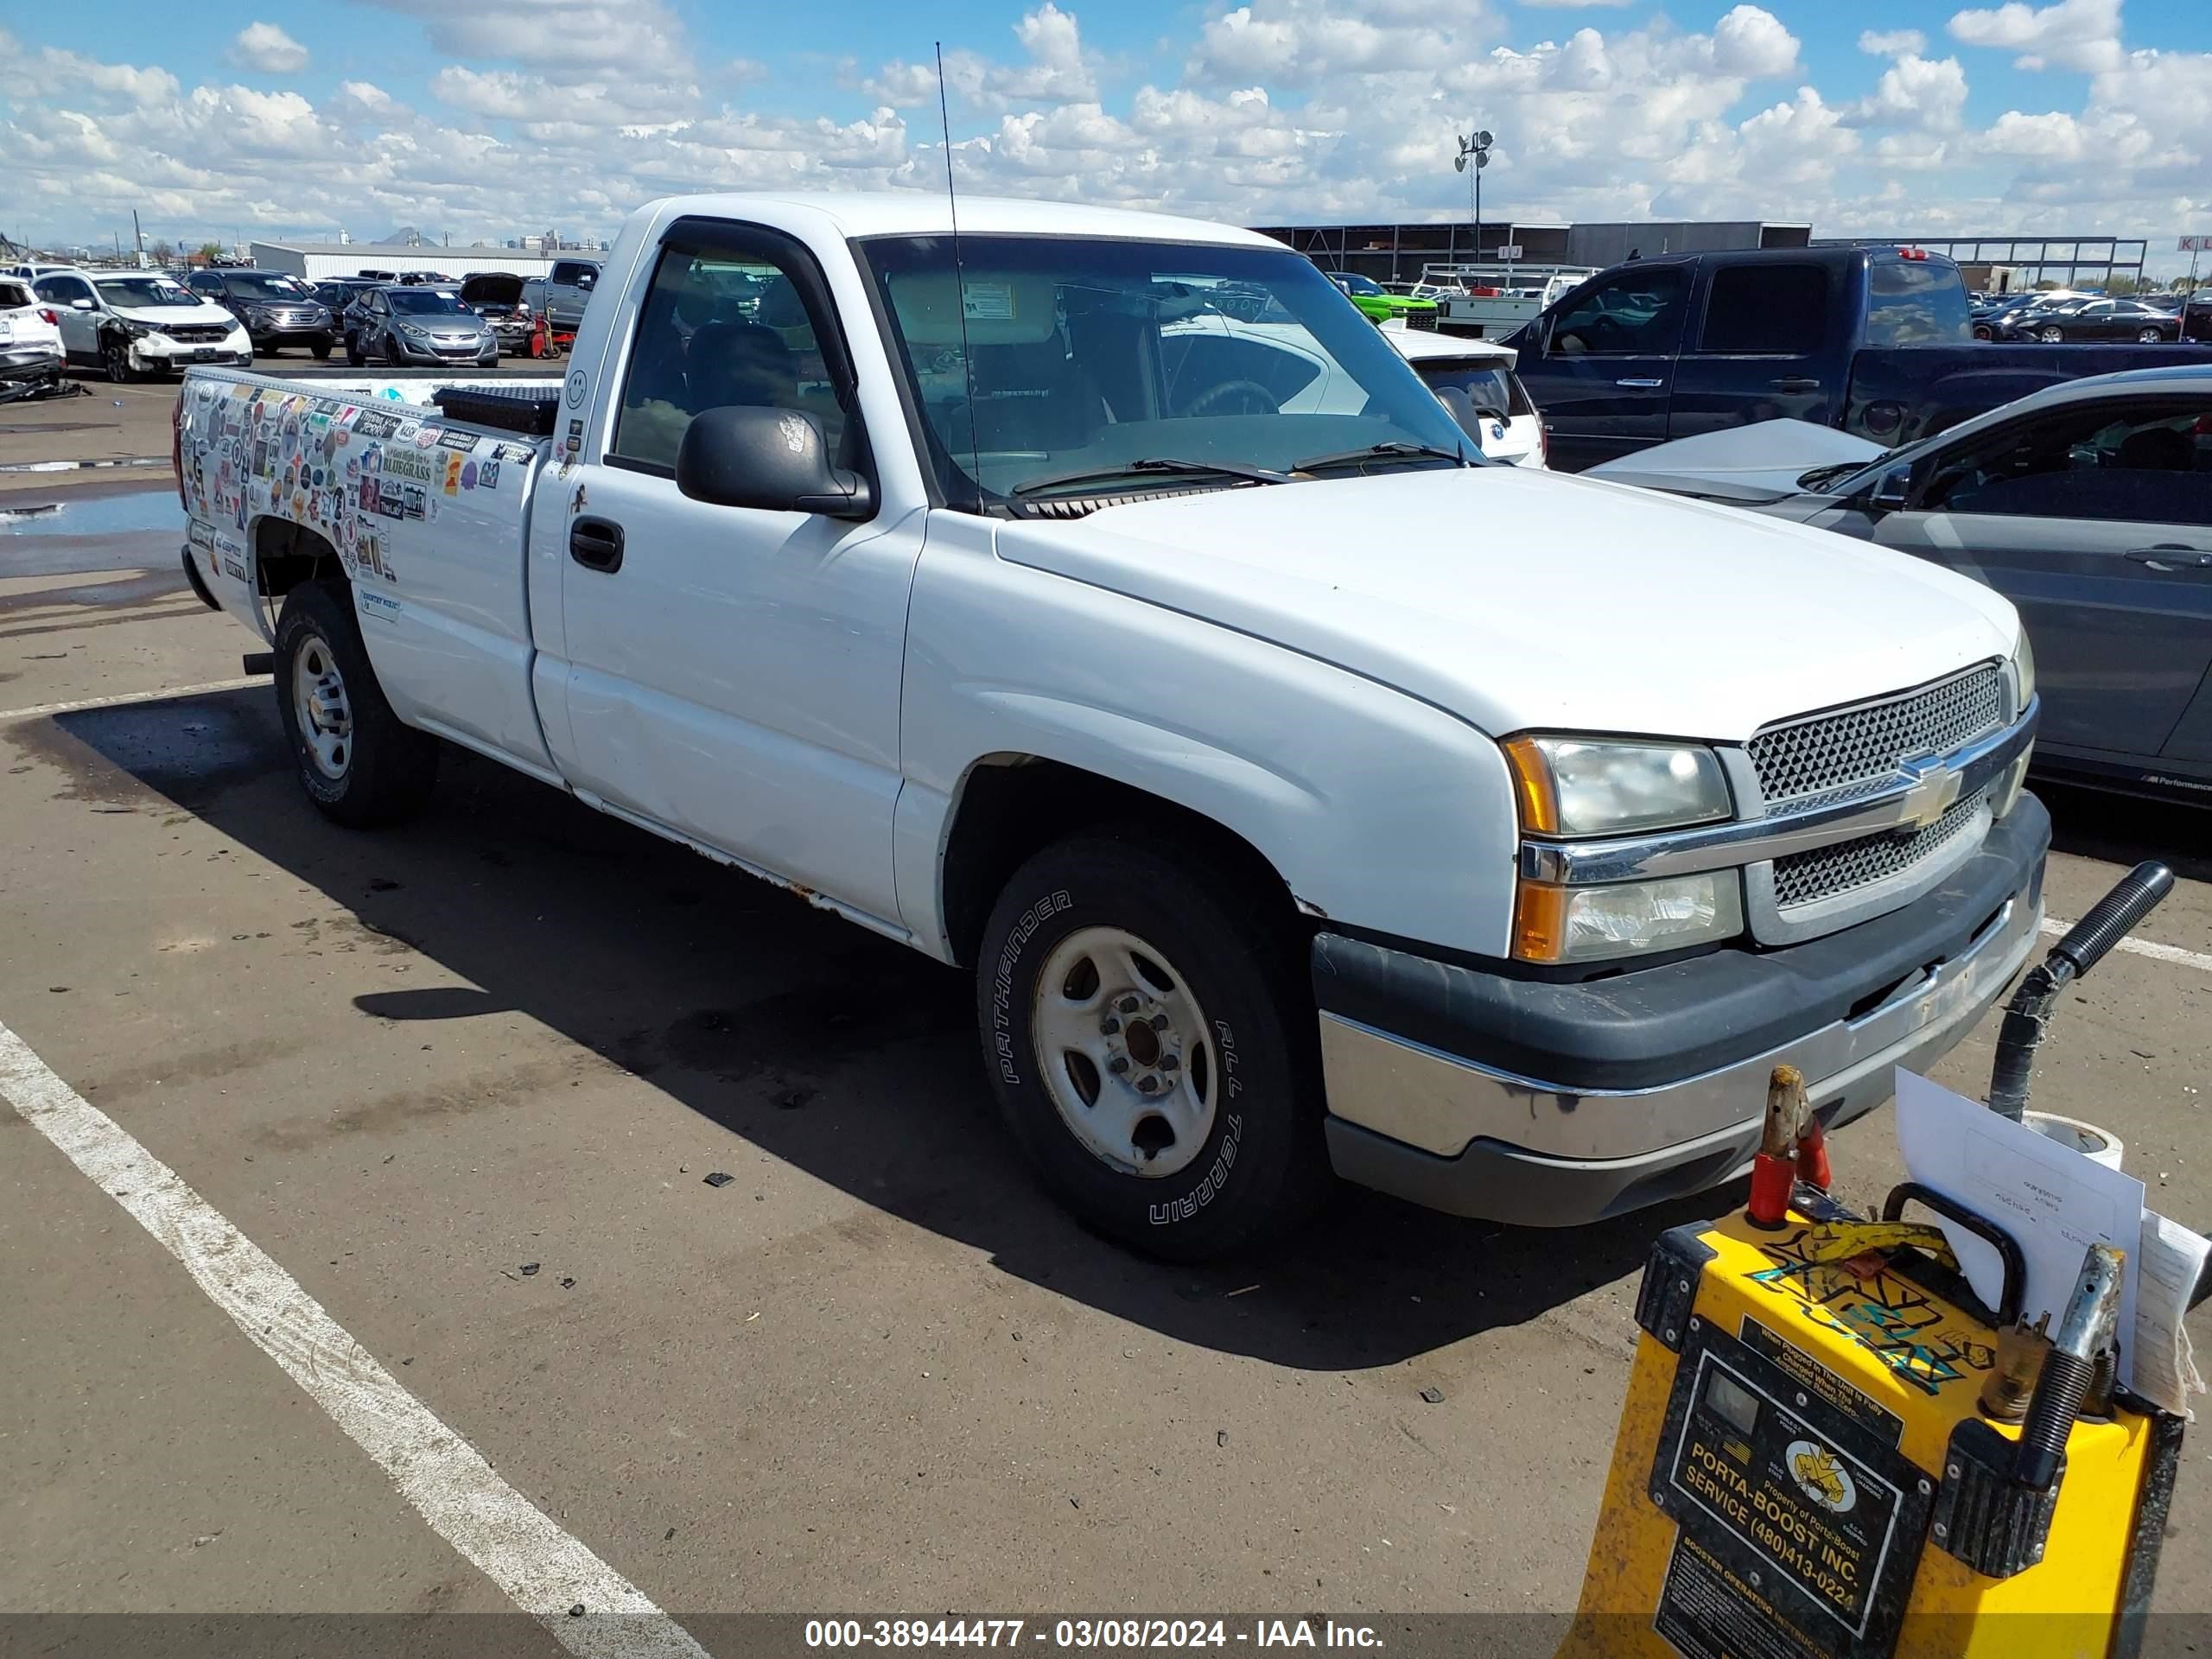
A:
(959, 283)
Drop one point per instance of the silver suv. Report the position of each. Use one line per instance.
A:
(568, 286)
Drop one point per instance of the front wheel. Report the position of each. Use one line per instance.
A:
(2149, 337)
(358, 763)
(322, 350)
(392, 354)
(2051, 334)
(1151, 1040)
(116, 357)
(354, 354)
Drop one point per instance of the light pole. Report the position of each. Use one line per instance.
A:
(1474, 146)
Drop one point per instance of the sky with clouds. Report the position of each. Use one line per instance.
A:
(487, 118)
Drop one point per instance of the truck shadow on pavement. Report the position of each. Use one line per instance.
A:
(839, 1053)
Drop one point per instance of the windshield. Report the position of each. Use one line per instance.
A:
(1066, 355)
(1362, 286)
(254, 285)
(146, 290)
(426, 302)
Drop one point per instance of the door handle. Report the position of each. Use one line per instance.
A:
(596, 544)
(1797, 383)
(1642, 385)
(2172, 556)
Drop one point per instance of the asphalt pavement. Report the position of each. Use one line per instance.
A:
(455, 1091)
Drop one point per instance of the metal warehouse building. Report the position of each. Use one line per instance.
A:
(319, 261)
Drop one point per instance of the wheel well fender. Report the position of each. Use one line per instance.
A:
(1011, 806)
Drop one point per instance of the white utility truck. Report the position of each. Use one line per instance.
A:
(1302, 790)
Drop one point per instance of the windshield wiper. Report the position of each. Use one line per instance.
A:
(1152, 465)
(1396, 450)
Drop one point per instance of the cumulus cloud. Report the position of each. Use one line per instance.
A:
(268, 48)
(1894, 42)
(1056, 69)
(571, 112)
(2072, 35)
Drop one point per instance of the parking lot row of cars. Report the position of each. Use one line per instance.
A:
(133, 323)
(2063, 317)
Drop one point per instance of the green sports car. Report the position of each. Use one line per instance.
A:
(1377, 303)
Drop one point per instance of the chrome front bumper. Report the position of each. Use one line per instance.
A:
(1458, 1134)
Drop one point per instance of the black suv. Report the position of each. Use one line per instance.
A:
(277, 311)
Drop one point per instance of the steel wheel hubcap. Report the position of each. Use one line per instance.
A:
(326, 717)
(1124, 1050)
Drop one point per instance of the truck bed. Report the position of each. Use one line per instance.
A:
(429, 516)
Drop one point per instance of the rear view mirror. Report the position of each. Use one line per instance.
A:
(771, 460)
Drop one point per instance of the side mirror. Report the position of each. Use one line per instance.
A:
(1889, 493)
(80, 305)
(588, 279)
(771, 460)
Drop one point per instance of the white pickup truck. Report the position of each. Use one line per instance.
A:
(1302, 790)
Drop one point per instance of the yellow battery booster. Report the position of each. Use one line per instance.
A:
(1802, 1469)
(1831, 1449)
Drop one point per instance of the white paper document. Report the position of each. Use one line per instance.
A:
(2166, 1365)
(2053, 1201)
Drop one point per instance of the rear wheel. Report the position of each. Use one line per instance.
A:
(358, 762)
(1151, 1040)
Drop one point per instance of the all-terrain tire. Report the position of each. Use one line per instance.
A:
(1209, 928)
(380, 769)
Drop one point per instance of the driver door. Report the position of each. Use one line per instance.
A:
(732, 674)
(1603, 376)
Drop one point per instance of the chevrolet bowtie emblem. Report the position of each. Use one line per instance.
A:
(1934, 787)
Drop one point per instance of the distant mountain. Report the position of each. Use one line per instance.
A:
(408, 236)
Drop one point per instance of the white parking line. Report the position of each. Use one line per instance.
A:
(39, 710)
(513, 1543)
(2172, 953)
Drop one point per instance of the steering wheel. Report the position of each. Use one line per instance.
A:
(1258, 400)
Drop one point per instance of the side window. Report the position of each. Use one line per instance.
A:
(65, 290)
(2099, 309)
(1635, 313)
(709, 337)
(1774, 309)
(2140, 466)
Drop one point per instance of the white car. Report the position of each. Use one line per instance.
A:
(1301, 794)
(141, 322)
(30, 337)
(1497, 412)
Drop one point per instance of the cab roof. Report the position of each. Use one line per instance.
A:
(926, 213)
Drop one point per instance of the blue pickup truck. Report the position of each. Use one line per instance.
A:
(1877, 341)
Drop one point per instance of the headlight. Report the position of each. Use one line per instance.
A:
(1593, 787)
(413, 331)
(1555, 925)
(257, 316)
(2007, 792)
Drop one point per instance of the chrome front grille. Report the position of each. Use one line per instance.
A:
(1833, 872)
(198, 332)
(1844, 753)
